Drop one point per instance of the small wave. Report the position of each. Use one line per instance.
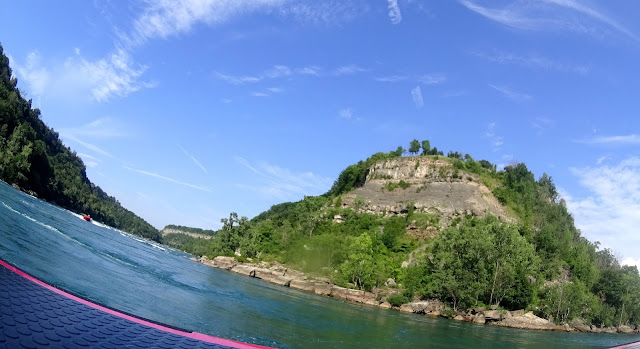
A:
(32, 219)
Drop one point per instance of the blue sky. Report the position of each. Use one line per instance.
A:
(186, 111)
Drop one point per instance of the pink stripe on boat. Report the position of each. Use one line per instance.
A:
(193, 335)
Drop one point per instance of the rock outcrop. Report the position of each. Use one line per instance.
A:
(527, 321)
(166, 231)
(435, 187)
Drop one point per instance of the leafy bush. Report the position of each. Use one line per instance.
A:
(397, 300)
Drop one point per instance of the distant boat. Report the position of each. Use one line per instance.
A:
(86, 218)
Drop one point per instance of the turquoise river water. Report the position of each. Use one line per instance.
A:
(144, 278)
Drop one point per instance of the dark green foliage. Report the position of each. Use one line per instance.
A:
(414, 147)
(397, 300)
(33, 157)
(480, 260)
(455, 155)
(391, 186)
(486, 164)
(355, 175)
(426, 147)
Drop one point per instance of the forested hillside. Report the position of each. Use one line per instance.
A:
(537, 261)
(33, 158)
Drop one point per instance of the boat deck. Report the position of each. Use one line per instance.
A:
(34, 314)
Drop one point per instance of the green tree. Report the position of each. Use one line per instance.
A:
(359, 268)
(426, 147)
(414, 147)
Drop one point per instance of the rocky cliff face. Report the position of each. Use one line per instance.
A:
(166, 231)
(432, 185)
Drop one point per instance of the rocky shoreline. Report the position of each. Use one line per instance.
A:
(281, 275)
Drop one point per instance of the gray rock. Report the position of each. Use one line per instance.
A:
(224, 262)
(322, 289)
(303, 285)
(385, 305)
(580, 325)
(479, 319)
(625, 329)
(244, 269)
(492, 315)
(527, 321)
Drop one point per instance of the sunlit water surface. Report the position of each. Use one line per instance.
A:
(144, 278)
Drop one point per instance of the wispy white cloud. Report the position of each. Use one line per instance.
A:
(393, 78)
(588, 11)
(103, 128)
(427, 79)
(259, 94)
(89, 160)
(310, 70)
(99, 129)
(238, 80)
(416, 95)
(541, 124)
(453, 94)
(193, 158)
(534, 61)
(348, 70)
(394, 12)
(283, 71)
(631, 139)
(100, 80)
(559, 15)
(168, 179)
(515, 96)
(432, 79)
(326, 12)
(496, 141)
(281, 183)
(88, 145)
(33, 73)
(346, 113)
(610, 212)
(163, 19)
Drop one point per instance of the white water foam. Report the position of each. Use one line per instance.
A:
(33, 219)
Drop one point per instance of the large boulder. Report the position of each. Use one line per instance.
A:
(244, 269)
(407, 308)
(224, 262)
(625, 329)
(580, 325)
(425, 307)
(322, 289)
(385, 305)
(479, 319)
(527, 321)
(271, 276)
(302, 285)
(492, 315)
(517, 312)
